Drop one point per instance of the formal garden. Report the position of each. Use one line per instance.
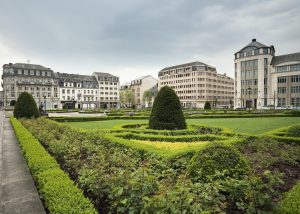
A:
(166, 163)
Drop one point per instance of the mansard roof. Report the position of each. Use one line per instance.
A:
(285, 58)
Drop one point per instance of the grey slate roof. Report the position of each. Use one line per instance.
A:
(76, 78)
(255, 44)
(184, 65)
(285, 58)
(103, 74)
(29, 66)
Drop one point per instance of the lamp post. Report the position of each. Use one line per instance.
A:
(249, 90)
(45, 102)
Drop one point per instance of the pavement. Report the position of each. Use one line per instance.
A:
(18, 193)
(76, 114)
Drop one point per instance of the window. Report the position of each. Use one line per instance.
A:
(19, 71)
(31, 72)
(37, 73)
(63, 91)
(43, 73)
(283, 68)
(281, 79)
(295, 67)
(295, 89)
(281, 90)
(26, 72)
(265, 50)
(295, 78)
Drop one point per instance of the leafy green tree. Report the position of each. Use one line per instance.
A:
(207, 105)
(129, 97)
(147, 96)
(25, 106)
(167, 112)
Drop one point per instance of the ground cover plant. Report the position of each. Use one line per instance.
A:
(124, 178)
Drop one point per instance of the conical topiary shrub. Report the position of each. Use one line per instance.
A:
(25, 106)
(166, 112)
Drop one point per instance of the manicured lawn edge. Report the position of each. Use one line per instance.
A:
(97, 118)
(59, 192)
(291, 202)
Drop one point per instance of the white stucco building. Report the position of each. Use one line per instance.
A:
(263, 79)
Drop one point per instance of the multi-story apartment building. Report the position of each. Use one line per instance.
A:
(196, 82)
(59, 90)
(263, 79)
(138, 87)
(109, 87)
(39, 81)
(78, 91)
(285, 72)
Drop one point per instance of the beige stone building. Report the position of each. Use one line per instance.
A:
(265, 80)
(196, 82)
(39, 81)
(139, 86)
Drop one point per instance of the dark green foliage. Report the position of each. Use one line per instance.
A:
(217, 158)
(25, 107)
(166, 112)
(295, 113)
(293, 131)
(12, 103)
(207, 106)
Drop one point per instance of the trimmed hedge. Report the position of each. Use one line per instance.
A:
(26, 107)
(293, 131)
(167, 112)
(178, 138)
(217, 158)
(291, 202)
(59, 192)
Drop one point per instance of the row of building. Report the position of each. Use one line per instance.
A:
(261, 79)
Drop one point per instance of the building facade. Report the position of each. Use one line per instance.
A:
(39, 81)
(196, 83)
(263, 79)
(59, 90)
(109, 90)
(78, 91)
(138, 87)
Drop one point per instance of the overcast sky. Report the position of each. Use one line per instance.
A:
(132, 38)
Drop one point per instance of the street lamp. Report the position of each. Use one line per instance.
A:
(45, 102)
(249, 90)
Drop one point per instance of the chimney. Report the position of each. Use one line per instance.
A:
(253, 40)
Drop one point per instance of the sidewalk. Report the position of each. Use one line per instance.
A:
(18, 193)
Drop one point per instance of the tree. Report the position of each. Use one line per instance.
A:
(166, 112)
(129, 96)
(25, 106)
(12, 103)
(147, 97)
(207, 105)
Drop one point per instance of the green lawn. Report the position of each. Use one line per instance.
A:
(245, 125)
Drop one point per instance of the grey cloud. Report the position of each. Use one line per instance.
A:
(144, 35)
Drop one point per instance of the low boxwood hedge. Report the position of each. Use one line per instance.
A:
(179, 138)
(291, 202)
(59, 192)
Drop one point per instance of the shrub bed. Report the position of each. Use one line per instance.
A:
(122, 177)
(60, 194)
